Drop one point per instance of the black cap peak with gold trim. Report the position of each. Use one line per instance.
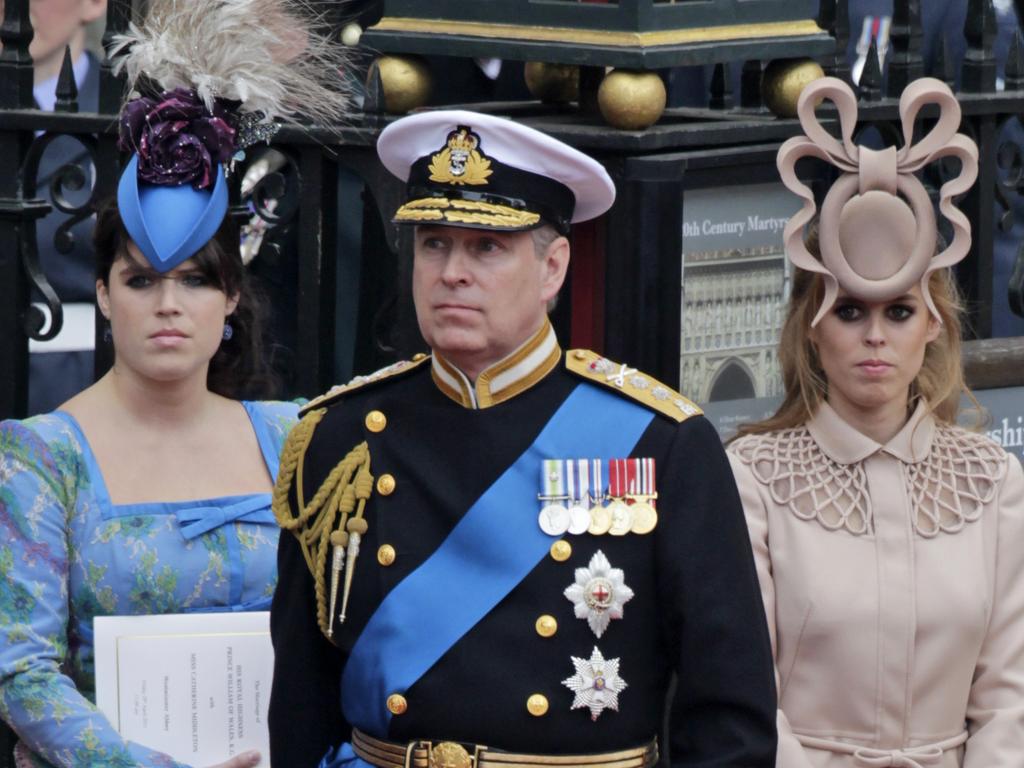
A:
(468, 169)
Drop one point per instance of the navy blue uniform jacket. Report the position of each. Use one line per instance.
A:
(696, 614)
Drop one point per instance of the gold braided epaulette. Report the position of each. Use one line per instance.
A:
(388, 372)
(631, 383)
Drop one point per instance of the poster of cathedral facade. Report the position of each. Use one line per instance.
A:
(734, 290)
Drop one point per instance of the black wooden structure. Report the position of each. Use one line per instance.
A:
(624, 294)
(637, 34)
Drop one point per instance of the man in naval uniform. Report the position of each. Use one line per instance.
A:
(499, 554)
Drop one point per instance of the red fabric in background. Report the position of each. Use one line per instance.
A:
(587, 285)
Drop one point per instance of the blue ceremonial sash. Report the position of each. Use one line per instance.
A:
(478, 564)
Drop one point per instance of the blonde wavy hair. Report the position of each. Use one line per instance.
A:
(940, 381)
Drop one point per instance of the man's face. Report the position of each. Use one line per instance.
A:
(56, 24)
(481, 294)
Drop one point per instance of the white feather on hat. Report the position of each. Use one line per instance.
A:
(265, 54)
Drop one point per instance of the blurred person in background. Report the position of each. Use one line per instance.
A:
(64, 365)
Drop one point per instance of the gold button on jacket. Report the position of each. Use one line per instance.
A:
(547, 626)
(561, 550)
(386, 485)
(376, 421)
(537, 705)
(386, 555)
(397, 704)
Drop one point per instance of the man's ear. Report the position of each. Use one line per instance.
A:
(103, 298)
(555, 266)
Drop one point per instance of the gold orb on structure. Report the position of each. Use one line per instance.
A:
(406, 81)
(350, 34)
(553, 83)
(631, 100)
(784, 80)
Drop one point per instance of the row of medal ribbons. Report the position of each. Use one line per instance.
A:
(576, 500)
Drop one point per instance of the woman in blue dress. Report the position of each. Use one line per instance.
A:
(149, 492)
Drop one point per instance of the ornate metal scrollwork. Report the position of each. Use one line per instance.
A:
(68, 178)
(1009, 158)
(1015, 287)
(275, 191)
(1010, 185)
(270, 188)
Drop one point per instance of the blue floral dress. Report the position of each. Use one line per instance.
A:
(67, 554)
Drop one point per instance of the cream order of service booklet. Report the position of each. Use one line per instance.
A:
(195, 686)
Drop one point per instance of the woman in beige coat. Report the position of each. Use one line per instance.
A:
(889, 542)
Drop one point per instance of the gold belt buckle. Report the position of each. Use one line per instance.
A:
(446, 754)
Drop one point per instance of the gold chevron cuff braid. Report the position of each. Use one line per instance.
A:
(450, 754)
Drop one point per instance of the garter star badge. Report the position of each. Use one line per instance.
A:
(597, 684)
(460, 161)
(599, 593)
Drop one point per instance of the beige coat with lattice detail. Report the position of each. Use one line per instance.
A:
(893, 581)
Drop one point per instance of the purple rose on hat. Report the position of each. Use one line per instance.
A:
(177, 139)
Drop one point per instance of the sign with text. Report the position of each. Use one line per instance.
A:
(734, 289)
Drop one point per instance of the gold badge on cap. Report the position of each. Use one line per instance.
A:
(460, 161)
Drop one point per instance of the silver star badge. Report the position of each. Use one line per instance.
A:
(599, 593)
(597, 684)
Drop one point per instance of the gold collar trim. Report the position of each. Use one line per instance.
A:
(505, 379)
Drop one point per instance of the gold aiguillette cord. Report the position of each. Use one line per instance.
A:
(317, 525)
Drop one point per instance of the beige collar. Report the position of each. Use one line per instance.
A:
(845, 445)
(505, 379)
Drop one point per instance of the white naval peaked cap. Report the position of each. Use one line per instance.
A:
(470, 169)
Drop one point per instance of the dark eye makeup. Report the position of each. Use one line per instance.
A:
(851, 311)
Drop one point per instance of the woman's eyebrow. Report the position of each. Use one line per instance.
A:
(137, 269)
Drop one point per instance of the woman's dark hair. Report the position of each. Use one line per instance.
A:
(239, 369)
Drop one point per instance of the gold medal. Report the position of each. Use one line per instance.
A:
(600, 520)
(622, 519)
(645, 518)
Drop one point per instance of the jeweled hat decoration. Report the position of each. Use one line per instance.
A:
(227, 71)
(877, 231)
(468, 169)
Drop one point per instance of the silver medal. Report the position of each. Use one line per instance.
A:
(577, 487)
(579, 519)
(554, 519)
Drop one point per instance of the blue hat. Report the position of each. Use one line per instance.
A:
(169, 224)
(191, 114)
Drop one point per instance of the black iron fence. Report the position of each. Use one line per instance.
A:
(630, 260)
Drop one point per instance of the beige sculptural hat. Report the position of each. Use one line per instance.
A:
(877, 231)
